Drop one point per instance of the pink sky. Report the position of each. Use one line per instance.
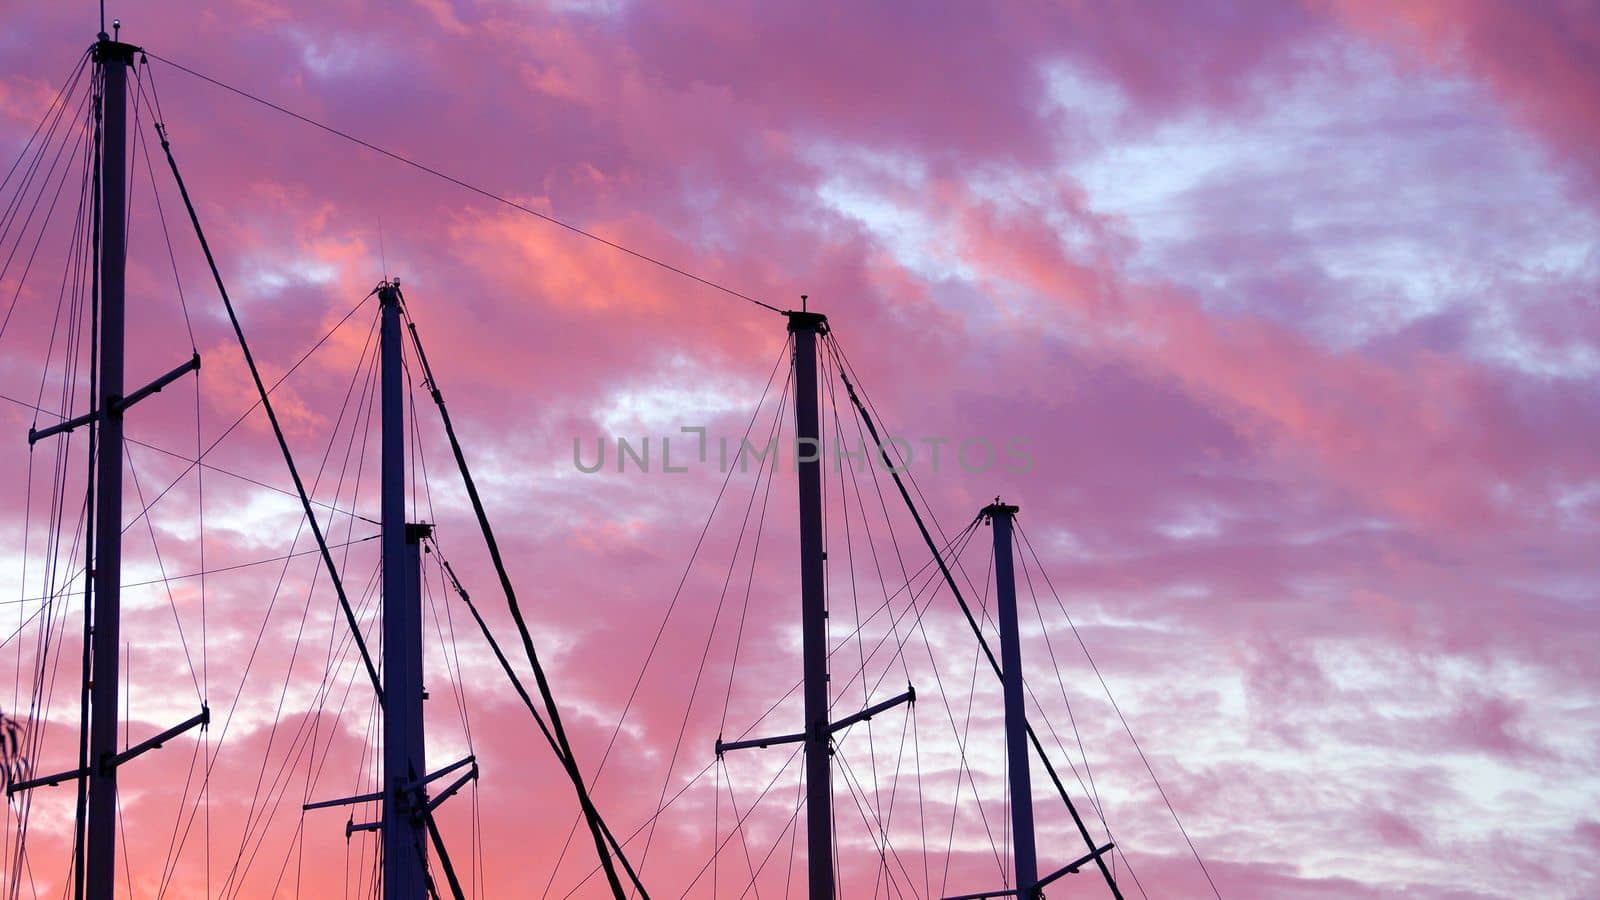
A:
(1293, 304)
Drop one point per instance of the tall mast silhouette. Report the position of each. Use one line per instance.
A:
(413, 853)
(113, 59)
(407, 811)
(1025, 866)
(806, 328)
(1026, 884)
(404, 857)
(95, 857)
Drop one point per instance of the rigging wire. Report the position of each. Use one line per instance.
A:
(754, 870)
(197, 462)
(26, 185)
(67, 88)
(199, 459)
(335, 661)
(41, 691)
(908, 588)
(522, 692)
(1091, 790)
(81, 809)
(901, 875)
(164, 580)
(482, 192)
(869, 818)
(877, 564)
(272, 417)
(360, 368)
(832, 367)
(597, 824)
(918, 625)
(737, 824)
(868, 688)
(738, 641)
(1120, 717)
(161, 214)
(964, 740)
(705, 652)
(448, 648)
(361, 424)
(828, 368)
(672, 605)
(200, 490)
(862, 411)
(325, 547)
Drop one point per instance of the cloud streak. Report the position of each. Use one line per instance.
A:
(1292, 304)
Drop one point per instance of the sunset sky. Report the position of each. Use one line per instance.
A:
(1290, 304)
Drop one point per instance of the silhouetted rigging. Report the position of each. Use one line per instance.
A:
(408, 826)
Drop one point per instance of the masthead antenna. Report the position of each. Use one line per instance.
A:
(383, 256)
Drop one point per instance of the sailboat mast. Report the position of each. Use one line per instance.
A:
(1026, 866)
(404, 764)
(113, 59)
(806, 327)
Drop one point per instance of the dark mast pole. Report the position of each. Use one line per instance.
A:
(404, 765)
(113, 59)
(1023, 853)
(806, 327)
